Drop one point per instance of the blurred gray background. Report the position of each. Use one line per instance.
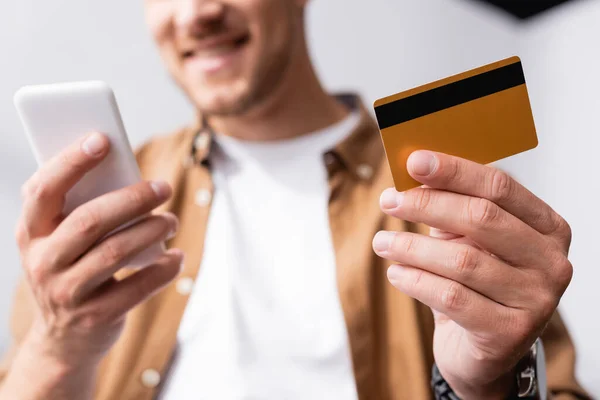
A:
(375, 47)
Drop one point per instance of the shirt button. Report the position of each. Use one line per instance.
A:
(364, 171)
(184, 286)
(150, 378)
(203, 197)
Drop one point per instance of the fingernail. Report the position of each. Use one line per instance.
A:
(161, 189)
(394, 273)
(177, 252)
(94, 144)
(174, 226)
(181, 254)
(390, 199)
(382, 241)
(182, 263)
(422, 163)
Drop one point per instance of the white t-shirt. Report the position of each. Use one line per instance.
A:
(264, 320)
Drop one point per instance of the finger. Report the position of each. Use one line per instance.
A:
(444, 235)
(438, 233)
(44, 193)
(442, 171)
(467, 308)
(101, 263)
(120, 297)
(458, 262)
(480, 220)
(90, 222)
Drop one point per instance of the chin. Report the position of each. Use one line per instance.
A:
(224, 100)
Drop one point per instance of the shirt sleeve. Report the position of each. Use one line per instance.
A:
(560, 362)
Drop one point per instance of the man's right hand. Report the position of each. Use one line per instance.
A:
(70, 267)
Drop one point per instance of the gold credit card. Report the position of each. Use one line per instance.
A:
(482, 115)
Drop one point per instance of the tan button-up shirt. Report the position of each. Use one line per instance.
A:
(390, 334)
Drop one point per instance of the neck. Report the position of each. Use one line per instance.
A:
(298, 106)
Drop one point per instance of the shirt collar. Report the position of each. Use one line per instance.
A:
(359, 153)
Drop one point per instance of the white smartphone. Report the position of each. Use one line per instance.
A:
(56, 115)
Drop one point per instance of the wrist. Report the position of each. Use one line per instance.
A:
(527, 381)
(55, 378)
(38, 349)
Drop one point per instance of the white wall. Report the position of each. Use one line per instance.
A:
(375, 47)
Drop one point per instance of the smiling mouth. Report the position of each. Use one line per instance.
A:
(216, 48)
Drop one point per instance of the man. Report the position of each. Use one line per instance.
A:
(277, 214)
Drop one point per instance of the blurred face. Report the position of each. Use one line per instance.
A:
(227, 54)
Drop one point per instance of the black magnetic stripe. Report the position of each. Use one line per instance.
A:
(450, 95)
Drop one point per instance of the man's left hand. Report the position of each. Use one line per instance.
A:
(493, 269)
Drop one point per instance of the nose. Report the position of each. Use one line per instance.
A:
(193, 13)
